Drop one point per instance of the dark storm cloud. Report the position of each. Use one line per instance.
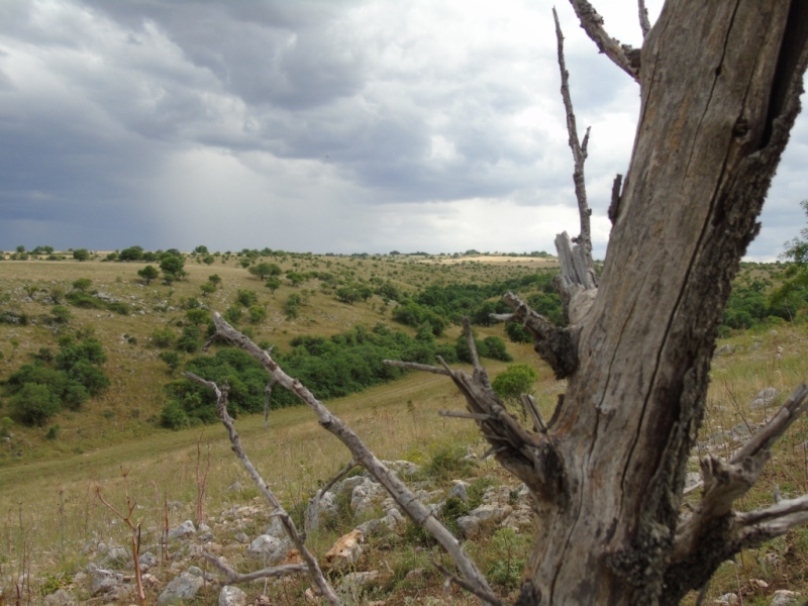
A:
(311, 124)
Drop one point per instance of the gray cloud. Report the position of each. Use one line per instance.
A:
(312, 125)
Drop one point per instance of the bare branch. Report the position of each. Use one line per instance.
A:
(415, 509)
(416, 366)
(714, 522)
(645, 23)
(578, 148)
(532, 411)
(233, 577)
(555, 345)
(311, 518)
(474, 416)
(622, 55)
(312, 566)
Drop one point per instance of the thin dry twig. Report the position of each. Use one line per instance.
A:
(135, 538)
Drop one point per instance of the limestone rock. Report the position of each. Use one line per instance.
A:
(232, 596)
(183, 587)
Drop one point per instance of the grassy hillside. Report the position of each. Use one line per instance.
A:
(129, 409)
(114, 444)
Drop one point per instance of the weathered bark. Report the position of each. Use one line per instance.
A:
(720, 83)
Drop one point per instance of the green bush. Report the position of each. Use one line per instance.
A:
(34, 404)
(163, 337)
(173, 416)
(516, 380)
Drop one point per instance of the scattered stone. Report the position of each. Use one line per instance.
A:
(727, 598)
(469, 526)
(182, 531)
(117, 557)
(103, 581)
(60, 597)
(148, 560)
(764, 398)
(353, 582)
(232, 596)
(205, 532)
(271, 549)
(242, 537)
(276, 529)
(784, 597)
(183, 587)
(459, 490)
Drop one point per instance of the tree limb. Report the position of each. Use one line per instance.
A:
(531, 457)
(415, 509)
(233, 577)
(416, 366)
(622, 55)
(714, 527)
(645, 23)
(556, 346)
(312, 566)
(579, 151)
(577, 267)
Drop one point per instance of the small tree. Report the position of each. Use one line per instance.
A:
(172, 265)
(516, 380)
(263, 270)
(34, 404)
(273, 283)
(148, 273)
(82, 284)
(796, 273)
(81, 254)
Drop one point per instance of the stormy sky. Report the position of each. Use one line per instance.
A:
(315, 125)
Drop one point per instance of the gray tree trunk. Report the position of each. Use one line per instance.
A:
(720, 82)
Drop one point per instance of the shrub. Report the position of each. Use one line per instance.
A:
(34, 404)
(163, 337)
(60, 314)
(247, 298)
(173, 416)
(148, 274)
(257, 314)
(171, 358)
(516, 380)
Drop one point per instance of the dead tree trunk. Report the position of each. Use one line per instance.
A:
(720, 85)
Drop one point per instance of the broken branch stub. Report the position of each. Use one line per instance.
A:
(622, 55)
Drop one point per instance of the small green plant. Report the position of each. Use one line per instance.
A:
(172, 360)
(163, 337)
(53, 432)
(508, 550)
(448, 462)
(5, 427)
